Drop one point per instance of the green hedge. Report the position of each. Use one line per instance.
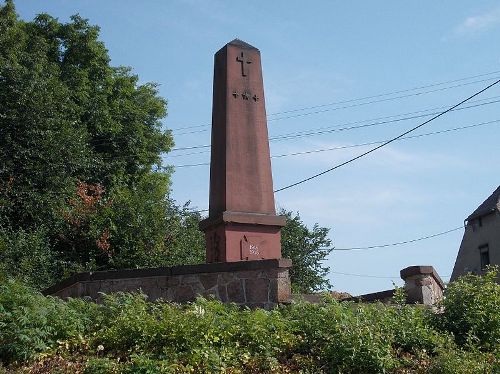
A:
(126, 334)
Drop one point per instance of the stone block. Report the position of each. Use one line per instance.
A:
(226, 277)
(208, 280)
(190, 278)
(236, 292)
(172, 281)
(183, 294)
(248, 274)
(222, 292)
(257, 290)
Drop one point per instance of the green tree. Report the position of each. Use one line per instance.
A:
(308, 249)
(80, 151)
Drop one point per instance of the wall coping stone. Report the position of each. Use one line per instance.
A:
(215, 267)
(371, 297)
(421, 270)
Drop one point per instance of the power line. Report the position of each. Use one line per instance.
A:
(398, 243)
(359, 104)
(363, 275)
(337, 128)
(409, 116)
(373, 276)
(362, 98)
(387, 94)
(387, 142)
(360, 144)
(381, 100)
(348, 126)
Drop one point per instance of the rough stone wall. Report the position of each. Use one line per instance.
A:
(264, 288)
(423, 289)
(423, 285)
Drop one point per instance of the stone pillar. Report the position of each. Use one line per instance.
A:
(242, 222)
(422, 285)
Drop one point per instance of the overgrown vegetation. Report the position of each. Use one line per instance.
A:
(127, 334)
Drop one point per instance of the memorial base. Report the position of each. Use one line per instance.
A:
(237, 236)
(256, 284)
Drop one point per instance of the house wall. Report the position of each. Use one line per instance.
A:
(475, 235)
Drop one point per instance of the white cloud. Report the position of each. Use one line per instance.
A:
(478, 23)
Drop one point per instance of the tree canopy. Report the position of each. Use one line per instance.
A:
(308, 249)
(80, 154)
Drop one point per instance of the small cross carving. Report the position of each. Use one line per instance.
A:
(243, 58)
(235, 94)
(255, 98)
(245, 95)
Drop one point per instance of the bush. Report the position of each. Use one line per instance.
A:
(27, 255)
(127, 334)
(472, 311)
(31, 323)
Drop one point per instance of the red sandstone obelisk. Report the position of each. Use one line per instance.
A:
(242, 222)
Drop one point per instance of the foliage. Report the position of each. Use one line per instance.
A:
(27, 255)
(31, 323)
(127, 334)
(471, 310)
(80, 158)
(307, 249)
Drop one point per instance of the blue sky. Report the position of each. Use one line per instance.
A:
(322, 52)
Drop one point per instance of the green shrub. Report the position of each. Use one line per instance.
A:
(27, 255)
(127, 334)
(463, 362)
(342, 336)
(472, 311)
(31, 323)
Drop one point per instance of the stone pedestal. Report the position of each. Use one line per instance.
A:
(422, 285)
(242, 222)
(242, 236)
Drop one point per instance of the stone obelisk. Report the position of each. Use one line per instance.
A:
(242, 222)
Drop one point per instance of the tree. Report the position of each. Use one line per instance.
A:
(80, 152)
(308, 249)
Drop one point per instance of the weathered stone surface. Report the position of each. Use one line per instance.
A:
(264, 286)
(248, 274)
(235, 292)
(172, 281)
(226, 277)
(190, 278)
(208, 280)
(257, 290)
(183, 294)
(422, 285)
(222, 292)
(284, 291)
(242, 222)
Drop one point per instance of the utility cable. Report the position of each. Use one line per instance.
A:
(361, 144)
(361, 98)
(399, 243)
(348, 126)
(389, 141)
(373, 276)
(409, 116)
(357, 105)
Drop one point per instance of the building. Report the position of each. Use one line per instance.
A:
(480, 245)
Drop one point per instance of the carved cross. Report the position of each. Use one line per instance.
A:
(243, 58)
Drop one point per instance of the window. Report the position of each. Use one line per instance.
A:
(484, 253)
